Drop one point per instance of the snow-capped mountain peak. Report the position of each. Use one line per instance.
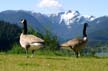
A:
(68, 17)
(71, 17)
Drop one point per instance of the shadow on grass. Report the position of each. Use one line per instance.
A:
(100, 57)
(1, 60)
(56, 58)
(28, 64)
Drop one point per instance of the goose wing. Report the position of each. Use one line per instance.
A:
(72, 42)
(31, 39)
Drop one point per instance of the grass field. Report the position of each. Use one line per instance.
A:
(15, 62)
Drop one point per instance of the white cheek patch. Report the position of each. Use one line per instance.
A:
(22, 21)
(85, 38)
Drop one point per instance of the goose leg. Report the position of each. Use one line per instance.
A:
(27, 47)
(32, 53)
(76, 53)
(27, 53)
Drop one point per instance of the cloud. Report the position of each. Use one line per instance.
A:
(50, 4)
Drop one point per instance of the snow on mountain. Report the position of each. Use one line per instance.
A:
(71, 17)
(89, 18)
(68, 17)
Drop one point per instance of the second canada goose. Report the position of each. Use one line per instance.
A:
(29, 42)
(77, 44)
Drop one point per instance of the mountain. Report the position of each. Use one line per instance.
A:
(65, 25)
(56, 23)
(71, 17)
(98, 30)
(68, 24)
(15, 17)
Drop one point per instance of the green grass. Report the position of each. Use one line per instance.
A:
(18, 62)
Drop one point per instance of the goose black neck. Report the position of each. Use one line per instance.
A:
(84, 30)
(24, 28)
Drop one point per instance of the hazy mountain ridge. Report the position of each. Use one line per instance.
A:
(15, 17)
(97, 29)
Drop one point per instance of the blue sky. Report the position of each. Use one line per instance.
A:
(85, 7)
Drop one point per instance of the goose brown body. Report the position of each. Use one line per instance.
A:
(28, 41)
(77, 44)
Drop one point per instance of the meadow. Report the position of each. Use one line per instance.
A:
(49, 58)
(19, 62)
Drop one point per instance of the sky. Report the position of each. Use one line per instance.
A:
(96, 8)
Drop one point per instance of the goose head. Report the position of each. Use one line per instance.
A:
(24, 22)
(86, 25)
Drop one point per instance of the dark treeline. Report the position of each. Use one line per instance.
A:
(9, 34)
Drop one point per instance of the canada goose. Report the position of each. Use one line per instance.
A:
(77, 44)
(29, 42)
